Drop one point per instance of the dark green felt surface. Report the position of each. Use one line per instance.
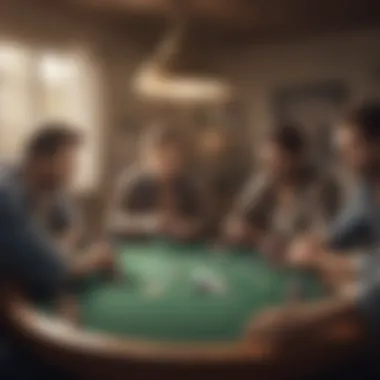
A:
(177, 311)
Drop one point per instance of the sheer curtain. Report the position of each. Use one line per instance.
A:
(15, 99)
(39, 86)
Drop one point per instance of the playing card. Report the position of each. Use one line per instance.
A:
(153, 290)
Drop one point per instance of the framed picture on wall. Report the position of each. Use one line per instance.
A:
(315, 108)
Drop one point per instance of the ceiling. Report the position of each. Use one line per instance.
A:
(246, 18)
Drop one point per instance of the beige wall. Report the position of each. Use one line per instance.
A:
(258, 70)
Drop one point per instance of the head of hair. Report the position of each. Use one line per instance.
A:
(289, 138)
(50, 138)
(366, 120)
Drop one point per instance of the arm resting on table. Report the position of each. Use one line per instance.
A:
(27, 255)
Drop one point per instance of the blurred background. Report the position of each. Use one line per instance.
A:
(225, 71)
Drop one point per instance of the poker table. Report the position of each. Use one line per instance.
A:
(173, 310)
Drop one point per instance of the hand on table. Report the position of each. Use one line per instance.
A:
(305, 252)
(68, 307)
(235, 231)
(100, 257)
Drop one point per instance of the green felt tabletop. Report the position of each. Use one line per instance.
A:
(158, 299)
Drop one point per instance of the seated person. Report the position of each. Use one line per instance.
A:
(158, 198)
(357, 228)
(222, 166)
(287, 198)
(37, 225)
(306, 326)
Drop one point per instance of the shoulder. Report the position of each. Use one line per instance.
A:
(256, 192)
(8, 177)
(64, 203)
(12, 192)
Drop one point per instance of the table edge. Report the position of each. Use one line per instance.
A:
(26, 321)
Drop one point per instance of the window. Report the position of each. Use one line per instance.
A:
(40, 86)
(15, 108)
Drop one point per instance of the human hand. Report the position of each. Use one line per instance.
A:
(235, 231)
(305, 252)
(101, 256)
(68, 308)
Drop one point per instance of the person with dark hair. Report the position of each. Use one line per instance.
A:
(38, 225)
(158, 198)
(48, 163)
(288, 197)
(357, 229)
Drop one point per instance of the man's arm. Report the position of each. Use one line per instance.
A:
(248, 221)
(309, 321)
(336, 268)
(69, 224)
(27, 254)
(341, 269)
(348, 321)
(324, 205)
(68, 241)
(237, 229)
(313, 335)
